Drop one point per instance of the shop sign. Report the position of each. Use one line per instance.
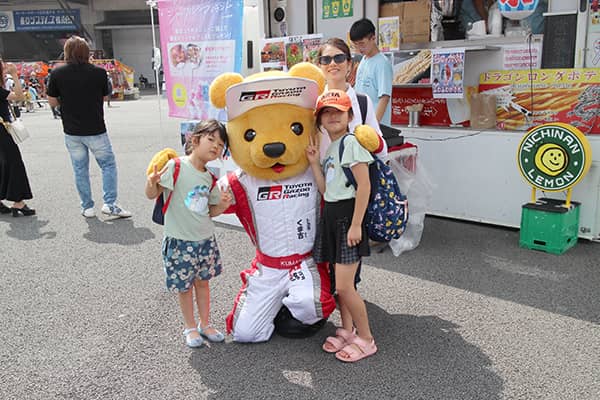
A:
(47, 20)
(337, 8)
(554, 157)
(527, 98)
(7, 23)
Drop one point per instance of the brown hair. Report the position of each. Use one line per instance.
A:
(77, 50)
(338, 44)
(206, 128)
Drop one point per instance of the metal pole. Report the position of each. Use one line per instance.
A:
(152, 4)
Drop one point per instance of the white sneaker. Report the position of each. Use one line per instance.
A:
(89, 212)
(115, 211)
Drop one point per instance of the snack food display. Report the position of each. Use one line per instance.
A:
(409, 70)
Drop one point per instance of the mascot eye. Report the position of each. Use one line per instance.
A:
(297, 128)
(249, 135)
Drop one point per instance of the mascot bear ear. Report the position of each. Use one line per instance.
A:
(309, 71)
(219, 86)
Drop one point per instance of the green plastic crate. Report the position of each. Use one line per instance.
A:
(548, 226)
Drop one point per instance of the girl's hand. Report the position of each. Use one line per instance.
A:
(155, 176)
(312, 151)
(354, 235)
(226, 199)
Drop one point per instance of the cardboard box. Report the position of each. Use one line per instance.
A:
(415, 17)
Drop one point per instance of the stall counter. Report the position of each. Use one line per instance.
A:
(476, 177)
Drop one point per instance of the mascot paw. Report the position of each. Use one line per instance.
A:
(288, 326)
(367, 137)
(160, 159)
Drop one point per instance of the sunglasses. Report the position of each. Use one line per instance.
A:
(338, 59)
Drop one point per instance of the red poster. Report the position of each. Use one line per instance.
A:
(435, 111)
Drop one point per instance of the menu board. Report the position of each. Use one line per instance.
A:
(560, 33)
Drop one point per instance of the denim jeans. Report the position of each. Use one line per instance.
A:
(101, 148)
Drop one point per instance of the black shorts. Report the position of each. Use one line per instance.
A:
(331, 242)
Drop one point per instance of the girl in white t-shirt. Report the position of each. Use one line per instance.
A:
(335, 61)
(190, 253)
(341, 237)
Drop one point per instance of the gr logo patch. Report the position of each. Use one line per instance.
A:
(269, 193)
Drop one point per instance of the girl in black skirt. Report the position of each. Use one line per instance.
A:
(341, 237)
(14, 185)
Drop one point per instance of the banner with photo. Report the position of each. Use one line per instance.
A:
(200, 39)
(447, 72)
(284, 52)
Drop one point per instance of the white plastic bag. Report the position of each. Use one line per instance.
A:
(418, 187)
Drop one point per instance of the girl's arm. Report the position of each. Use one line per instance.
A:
(16, 93)
(363, 190)
(224, 204)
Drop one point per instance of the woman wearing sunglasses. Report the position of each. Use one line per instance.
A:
(335, 61)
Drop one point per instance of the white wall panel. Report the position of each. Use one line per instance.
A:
(134, 47)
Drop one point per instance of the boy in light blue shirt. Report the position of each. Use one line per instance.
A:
(374, 74)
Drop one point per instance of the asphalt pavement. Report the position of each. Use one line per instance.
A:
(84, 314)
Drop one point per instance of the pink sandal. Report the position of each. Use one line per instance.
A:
(357, 349)
(342, 337)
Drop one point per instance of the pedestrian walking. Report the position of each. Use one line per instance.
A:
(79, 88)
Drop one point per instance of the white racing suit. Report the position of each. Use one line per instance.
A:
(281, 219)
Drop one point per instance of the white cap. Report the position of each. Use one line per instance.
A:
(245, 96)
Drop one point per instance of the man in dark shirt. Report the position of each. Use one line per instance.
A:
(80, 89)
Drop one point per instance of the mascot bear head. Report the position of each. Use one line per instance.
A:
(270, 118)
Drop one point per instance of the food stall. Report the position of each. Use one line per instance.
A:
(122, 78)
(469, 149)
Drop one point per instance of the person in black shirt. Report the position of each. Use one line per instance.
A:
(80, 88)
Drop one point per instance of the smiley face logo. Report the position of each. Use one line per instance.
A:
(551, 159)
(179, 94)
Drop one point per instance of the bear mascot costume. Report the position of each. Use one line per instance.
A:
(275, 197)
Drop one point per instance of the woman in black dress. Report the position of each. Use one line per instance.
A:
(14, 184)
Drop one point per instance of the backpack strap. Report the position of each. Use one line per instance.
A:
(214, 180)
(347, 171)
(175, 176)
(362, 104)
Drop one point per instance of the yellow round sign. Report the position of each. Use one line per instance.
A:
(179, 95)
(554, 157)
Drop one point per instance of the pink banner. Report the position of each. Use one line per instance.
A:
(200, 39)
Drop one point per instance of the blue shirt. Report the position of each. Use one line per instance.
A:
(374, 78)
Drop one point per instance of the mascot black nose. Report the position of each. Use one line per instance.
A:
(274, 150)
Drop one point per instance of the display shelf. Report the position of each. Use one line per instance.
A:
(488, 43)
